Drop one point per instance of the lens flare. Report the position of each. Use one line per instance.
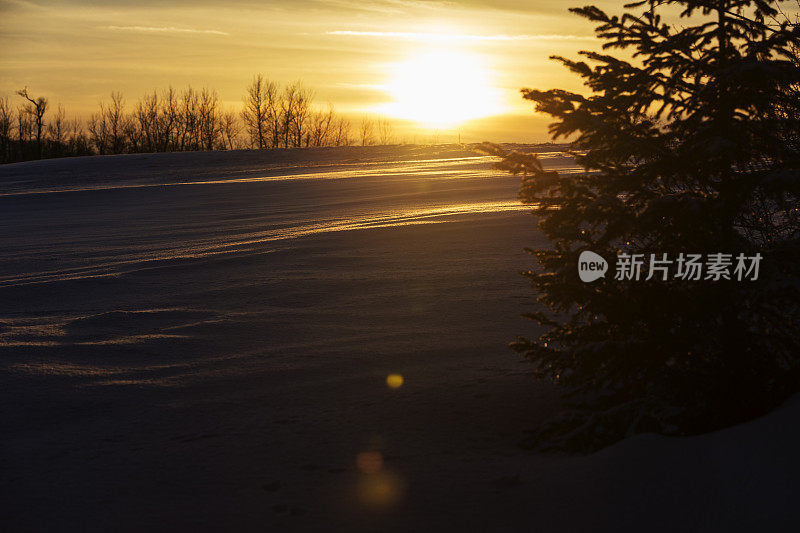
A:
(394, 381)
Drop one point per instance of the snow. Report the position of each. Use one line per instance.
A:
(201, 341)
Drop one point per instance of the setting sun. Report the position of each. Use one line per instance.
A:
(442, 89)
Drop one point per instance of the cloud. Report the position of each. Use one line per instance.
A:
(165, 29)
(4, 4)
(447, 37)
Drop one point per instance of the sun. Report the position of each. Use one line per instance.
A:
(441, 89)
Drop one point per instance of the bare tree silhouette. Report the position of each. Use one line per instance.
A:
(56, 131)
(259, 113)
(168, 120)
(300, 114)
(37, 108)
(385, 131)
(367, 131)
(6, 121)
(230, 129)
(209, 125)
(341, 133)
(322, 123)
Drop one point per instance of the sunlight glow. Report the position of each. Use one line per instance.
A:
(442, 89)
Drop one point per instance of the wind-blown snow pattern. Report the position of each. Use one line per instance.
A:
(149, 215)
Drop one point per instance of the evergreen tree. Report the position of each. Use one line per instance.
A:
(690, 142)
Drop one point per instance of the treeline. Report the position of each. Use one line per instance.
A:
(272, 116)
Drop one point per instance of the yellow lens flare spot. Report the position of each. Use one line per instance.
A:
(394, 381)
(441, 89)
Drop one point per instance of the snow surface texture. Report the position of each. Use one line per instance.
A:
(200, 341)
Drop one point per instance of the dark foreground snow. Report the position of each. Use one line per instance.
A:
(201, 341)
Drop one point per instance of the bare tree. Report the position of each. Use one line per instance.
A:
(209, 124)
(287, 107)
(367, 131)
(321, 126)
(341, 133)
(259, 113)
(274, 121)
(230, 129)
(188, 125)
(36, 108)
(77, 140)
(116, 120)
(161, 121)
(170, 118)
(98, 132)
(109, 129)
(385, 132)
(6, 120)
(24, 130)
(146, 115)
(56, 131)
(300, 115)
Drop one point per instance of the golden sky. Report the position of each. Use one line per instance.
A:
(365, 57)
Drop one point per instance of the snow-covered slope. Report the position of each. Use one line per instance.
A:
(201, 342)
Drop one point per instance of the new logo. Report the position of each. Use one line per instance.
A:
(591, 266)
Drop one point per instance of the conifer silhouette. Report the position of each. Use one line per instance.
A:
(690, 142)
